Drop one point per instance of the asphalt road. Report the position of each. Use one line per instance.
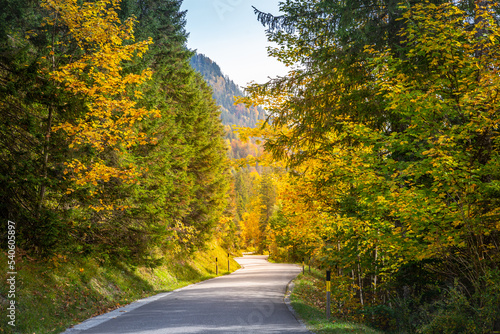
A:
(249, 300)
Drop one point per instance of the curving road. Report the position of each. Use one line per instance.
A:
(249, 300)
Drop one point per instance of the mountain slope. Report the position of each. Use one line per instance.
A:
(224, 91)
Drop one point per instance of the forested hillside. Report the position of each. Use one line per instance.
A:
(232, 115)
(224, 92)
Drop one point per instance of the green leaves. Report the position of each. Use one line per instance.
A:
(109, 145)
(393, 137)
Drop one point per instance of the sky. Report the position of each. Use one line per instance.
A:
(227, 31)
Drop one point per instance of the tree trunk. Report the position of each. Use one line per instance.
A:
(360, 282)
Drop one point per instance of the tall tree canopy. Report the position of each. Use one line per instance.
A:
(111, 143)
(388, 124)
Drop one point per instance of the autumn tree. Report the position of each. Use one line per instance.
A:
(97, 74)
(448, 100)
(112, 146)
(389, 113)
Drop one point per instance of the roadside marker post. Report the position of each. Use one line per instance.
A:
(328, 291)
(228, 268)
(216, 267)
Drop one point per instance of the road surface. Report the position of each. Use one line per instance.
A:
(249, 300)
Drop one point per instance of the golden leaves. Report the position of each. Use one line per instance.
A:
(98, 74)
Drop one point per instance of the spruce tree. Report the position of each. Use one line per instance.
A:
(31, 154)
(183, 191)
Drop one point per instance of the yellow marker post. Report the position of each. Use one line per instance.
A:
(328, 292)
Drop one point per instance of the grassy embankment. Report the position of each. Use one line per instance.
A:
(308, 301)
(52, 296)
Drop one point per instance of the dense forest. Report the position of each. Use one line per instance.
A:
(386, 137)
(110, 143)
(377, 158)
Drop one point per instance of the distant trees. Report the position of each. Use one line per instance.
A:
(248, 220)
(224, 92)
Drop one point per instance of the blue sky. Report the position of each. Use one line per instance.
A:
(227, 31)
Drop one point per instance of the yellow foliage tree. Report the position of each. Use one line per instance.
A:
(418, 182)
(249, 225)
(98, 74)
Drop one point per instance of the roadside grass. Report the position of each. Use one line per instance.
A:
(308, 301)
(56, 294)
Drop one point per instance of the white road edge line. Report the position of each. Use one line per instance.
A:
(99, 319)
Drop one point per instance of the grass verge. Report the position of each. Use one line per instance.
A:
(54, 295)
(308, 301)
